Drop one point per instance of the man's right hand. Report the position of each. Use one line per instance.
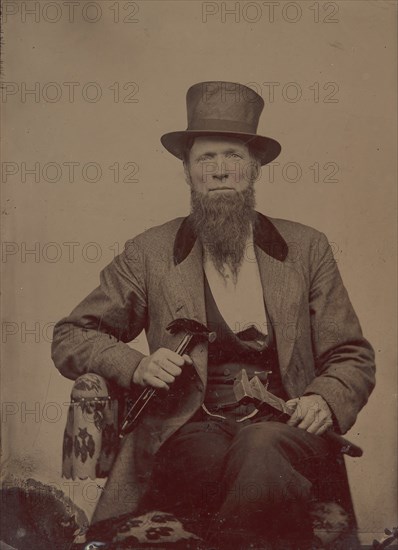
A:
(160, 369)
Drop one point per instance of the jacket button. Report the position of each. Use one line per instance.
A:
(227, 372)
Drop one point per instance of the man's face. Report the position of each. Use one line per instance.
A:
(218, 165)
(221, 174)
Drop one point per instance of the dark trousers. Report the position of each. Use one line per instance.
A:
(236, 484)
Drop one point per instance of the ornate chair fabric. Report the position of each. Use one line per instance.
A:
(91, 444)
(91, 433)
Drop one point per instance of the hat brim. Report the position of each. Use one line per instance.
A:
(265, 148)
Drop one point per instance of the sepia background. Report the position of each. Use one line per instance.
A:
(88, 91)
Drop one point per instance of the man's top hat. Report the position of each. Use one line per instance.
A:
(223, 109)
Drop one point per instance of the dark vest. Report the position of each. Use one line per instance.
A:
(230, 352)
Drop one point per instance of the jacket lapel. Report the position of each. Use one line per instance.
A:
(190, 280)
(282, 290)
(184, 292)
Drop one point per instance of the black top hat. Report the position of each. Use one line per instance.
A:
(227, 109)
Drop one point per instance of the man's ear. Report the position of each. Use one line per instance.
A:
(256, 169)
(186, 173)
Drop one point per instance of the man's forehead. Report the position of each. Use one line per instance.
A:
(217, 143)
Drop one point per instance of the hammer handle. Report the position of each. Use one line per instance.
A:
(140, 404)
(182, 346)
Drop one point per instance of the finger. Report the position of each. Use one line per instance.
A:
(157, 383)
(314, 415)
(320, 417)
(160, 369)
(291, 406)
(293, 421)
(172, 356)
(170, 367)
(315, 426)
(187, 359)
(298, 414)
(324, 428)
(164, 376)
(308, 420)
(295, 418)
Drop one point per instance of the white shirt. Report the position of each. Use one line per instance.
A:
(241, 304)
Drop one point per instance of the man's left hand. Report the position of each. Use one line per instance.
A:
(312, 413)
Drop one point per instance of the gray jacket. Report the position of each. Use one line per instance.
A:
(159, 277)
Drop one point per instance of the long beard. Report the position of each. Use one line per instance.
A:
(222, 222)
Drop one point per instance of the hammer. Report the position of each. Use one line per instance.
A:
(194, 331)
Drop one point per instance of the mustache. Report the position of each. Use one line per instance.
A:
(218, 212)
(224, 206)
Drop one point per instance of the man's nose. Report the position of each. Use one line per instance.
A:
(220, 170)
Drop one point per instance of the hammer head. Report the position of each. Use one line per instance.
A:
(190, 326)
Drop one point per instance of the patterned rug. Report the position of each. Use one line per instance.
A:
(160, 530)
(40, 517)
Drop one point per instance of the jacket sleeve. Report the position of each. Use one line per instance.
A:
(344, 359)
(94, 337)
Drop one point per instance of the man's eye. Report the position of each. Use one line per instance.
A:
(234, 155)
(204, 158)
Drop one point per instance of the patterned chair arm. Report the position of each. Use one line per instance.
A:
(91, 434)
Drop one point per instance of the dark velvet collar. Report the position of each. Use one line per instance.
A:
(265, 235)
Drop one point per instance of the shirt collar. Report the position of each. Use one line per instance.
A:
(265, 236)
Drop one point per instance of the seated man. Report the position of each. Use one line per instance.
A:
(271, 291)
